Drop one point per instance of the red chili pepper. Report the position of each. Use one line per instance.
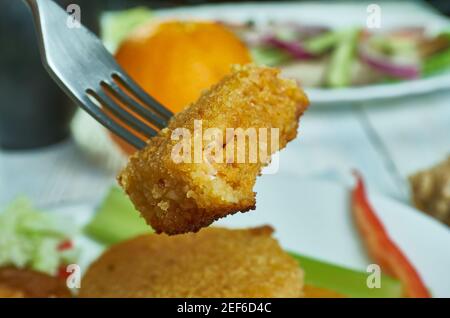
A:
(65, 245)
(381, 247)
(62, 272)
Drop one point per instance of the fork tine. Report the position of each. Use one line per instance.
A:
(110, 124)
(142, 95)
(133, 104)
(80, 76)
(122, 114)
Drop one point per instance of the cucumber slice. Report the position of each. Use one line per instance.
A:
(322, 43)
(116, 220)
(344, 281)
(342, 58)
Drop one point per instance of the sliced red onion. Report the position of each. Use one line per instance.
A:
(294, 48)
(387, 67)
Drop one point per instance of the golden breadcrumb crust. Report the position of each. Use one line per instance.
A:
(26, 283)
(214, 262)
(183, 197)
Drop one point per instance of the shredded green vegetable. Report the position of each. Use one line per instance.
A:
(30, 238)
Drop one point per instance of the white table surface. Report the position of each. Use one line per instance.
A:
(386, 141)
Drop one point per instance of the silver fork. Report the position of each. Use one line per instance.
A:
(79, 63)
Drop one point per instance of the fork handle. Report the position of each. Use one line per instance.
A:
(33, 4)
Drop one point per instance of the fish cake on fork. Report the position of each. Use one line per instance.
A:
(177, 196)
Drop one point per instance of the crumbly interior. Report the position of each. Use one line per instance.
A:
(431, 191)
(177, 197)
(214, 262)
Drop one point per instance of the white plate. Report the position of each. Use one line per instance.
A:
(330, 14)
(313, 217)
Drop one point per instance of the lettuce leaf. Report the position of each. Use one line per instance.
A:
(115, 26)
(30, 238)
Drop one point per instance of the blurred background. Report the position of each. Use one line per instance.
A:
(379, 104)
(53, 154)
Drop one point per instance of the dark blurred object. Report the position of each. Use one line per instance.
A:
(443, 6)
(33, 111)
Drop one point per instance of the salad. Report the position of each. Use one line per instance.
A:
(322, 57)
(318, 56)
(35, 240)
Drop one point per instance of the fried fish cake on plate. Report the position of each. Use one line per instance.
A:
(26, 283)
(180, 191)
(214, 262)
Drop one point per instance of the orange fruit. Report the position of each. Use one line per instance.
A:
(174, 61)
